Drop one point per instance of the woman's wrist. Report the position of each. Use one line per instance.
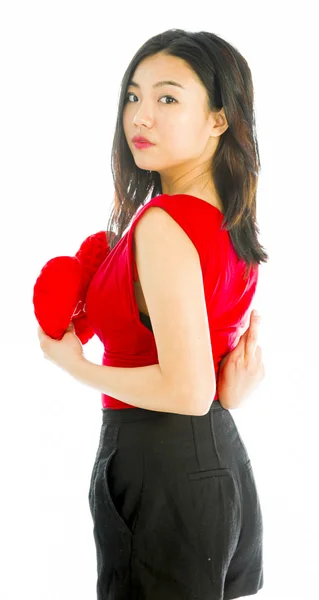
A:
(228, 396)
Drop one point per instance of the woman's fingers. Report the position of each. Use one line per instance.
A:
(245, 352)
(252, 337)
(260, 362)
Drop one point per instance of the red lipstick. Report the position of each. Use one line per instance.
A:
(141, 142)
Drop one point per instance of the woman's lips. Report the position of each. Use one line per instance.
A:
(140, 145)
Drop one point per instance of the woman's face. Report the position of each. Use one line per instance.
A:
(174, 118)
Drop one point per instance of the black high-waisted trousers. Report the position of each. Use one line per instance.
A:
(175, 508)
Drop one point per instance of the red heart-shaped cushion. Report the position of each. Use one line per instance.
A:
(82, 327)
(91, 254)
(60, 290)
(56, 294)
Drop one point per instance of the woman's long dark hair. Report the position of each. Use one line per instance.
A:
(235, 165)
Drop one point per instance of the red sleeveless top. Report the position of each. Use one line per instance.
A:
(114, 315)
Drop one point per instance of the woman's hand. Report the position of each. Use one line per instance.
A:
(242, 369)
(64, 353)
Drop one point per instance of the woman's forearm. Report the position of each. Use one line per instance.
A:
(143, 387)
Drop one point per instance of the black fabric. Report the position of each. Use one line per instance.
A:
(175, 508)
(146, 320)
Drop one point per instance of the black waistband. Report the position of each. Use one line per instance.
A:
(121, 415)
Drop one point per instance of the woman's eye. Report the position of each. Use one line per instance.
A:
(128, 95)
(170, 99)
(131, 94)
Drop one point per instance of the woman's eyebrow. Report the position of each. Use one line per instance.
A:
(158, 84)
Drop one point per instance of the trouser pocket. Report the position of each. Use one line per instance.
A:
(215, 514)
(117, 489)
(91, 488)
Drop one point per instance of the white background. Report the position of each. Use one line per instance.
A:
(61, 66)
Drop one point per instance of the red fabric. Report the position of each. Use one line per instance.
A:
(60, 289)
(112, 310)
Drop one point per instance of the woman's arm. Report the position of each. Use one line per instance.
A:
(242, 370)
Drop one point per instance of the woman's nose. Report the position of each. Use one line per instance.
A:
(143, 117)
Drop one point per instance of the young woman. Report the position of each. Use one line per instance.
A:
(172, 494)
